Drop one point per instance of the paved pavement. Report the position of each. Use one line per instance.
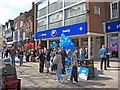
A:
(31, 78)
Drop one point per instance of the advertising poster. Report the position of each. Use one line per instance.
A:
(83, 73)
(114, 43)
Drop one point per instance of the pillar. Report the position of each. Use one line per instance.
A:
(94, 48)
(79, 42)
(119, 46)
(48, 44)
(89, 47)
(105, 39)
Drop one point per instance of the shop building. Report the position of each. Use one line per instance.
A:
(23, 28)
(78, 19)
(8, 32)
(112, 29)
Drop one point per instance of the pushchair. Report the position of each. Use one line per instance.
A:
(11, 82)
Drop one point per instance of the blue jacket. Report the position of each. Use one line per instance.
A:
(103, 53)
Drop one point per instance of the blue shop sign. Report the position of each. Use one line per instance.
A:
(75, 29)
(113, 27)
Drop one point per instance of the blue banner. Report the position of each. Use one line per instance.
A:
(83, 73)
(75, 29)
(113, 27)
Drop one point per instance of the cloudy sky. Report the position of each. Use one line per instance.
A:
(10, 9)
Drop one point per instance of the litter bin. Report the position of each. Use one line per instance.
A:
(87, 63)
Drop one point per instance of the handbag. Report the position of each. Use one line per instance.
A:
(54, 67)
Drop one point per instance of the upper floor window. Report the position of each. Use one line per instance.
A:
(42, 4)
(75, 10)
(114, 9)
(21, 23)
(52, 1)
(96, 10)
(55, 17)
(42, 22)
(16, 26)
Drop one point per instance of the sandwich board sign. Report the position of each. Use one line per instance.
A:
(83, 73)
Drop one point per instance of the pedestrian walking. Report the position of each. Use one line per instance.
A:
(12, 55)
(21, 54)
(41, 61)
(103, 56)
(57, 60)
(74, 65)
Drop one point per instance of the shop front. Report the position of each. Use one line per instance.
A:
(77, 32)
(113, 38)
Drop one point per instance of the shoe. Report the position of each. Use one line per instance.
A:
(62, 81)
(74, 82)
(105, 69)
(108, 66)
(56, 80)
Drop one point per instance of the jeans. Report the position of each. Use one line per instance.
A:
(58, 75)
(13, 61)
(21, 60)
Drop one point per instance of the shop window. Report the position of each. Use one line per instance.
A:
(55, 17)
(75, 10)
(96, 10)
(114, 9)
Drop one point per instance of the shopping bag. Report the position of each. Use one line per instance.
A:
(68, 71)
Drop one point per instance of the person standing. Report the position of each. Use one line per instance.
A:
(57, 60)
(63, 56)
(41, 61)
(107, 59)
(74, 64)
(12, 55)
(47, 58)
(27, 55)
(103, 56)
(21, 54)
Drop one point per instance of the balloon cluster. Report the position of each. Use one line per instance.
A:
(54, 44)
(29, 45)
(66, 42)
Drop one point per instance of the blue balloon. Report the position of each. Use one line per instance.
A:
(55, 44)
(51, 46)
(63, 36)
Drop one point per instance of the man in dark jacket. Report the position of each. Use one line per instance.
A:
(13, 54)
(63, 55)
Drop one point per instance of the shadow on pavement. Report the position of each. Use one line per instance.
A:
(86, 83)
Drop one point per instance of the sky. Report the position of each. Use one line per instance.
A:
(10, 9)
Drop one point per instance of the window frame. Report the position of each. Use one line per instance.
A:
(111, 14)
